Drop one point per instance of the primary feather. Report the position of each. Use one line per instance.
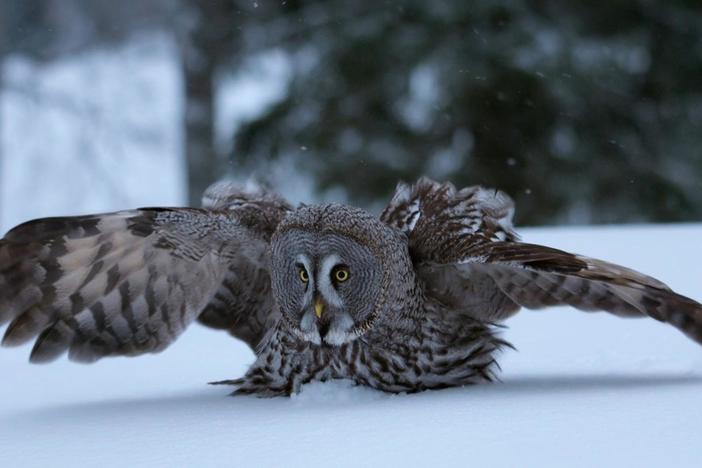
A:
(467, 254)
(128, 283)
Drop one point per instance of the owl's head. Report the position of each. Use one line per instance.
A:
(331, 270)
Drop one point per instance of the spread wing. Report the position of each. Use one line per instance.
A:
(469, 258)
(129, 283)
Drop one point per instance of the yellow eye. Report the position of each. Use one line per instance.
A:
(304, 277)
(341, 274)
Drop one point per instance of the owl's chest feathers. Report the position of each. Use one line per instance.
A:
(438, 353)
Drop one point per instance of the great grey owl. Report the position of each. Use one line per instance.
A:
(405, 302)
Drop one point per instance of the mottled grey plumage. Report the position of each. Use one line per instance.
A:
(405, 302)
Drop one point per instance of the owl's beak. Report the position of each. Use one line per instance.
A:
(318, 307)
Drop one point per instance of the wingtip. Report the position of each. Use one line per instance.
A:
(227, 382)
(51, 343)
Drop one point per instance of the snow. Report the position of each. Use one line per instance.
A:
(98, 131)
(583, 390)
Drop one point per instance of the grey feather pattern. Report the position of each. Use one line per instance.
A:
(243, 303)
(128, 283)
(470, 260)
(473, 215)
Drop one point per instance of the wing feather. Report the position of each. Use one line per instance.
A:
(469, 259)
(130, 282)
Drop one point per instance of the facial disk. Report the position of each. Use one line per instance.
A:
(327, 285)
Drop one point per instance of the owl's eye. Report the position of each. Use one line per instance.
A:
(304, 277)
(340, 274)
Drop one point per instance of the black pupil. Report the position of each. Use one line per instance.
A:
(341, 274)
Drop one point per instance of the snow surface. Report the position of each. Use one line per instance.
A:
(98, 131)
(583, 390)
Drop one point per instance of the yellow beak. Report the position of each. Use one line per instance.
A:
(318, 307)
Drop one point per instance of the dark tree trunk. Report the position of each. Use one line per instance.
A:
(206, 49)
(4, 44)
(200, 152)
(2, 228)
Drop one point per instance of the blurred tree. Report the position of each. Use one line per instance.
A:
(47, 29)
(15, 20)
(4, 40)
(583, 112)
(207, 47)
